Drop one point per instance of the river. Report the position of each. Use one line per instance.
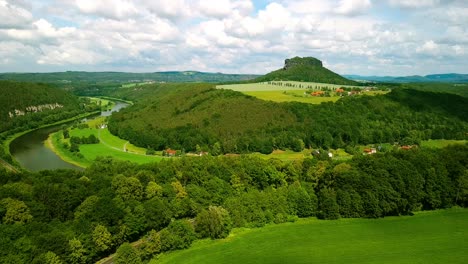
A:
(29, 149)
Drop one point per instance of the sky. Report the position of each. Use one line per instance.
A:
(365, 37)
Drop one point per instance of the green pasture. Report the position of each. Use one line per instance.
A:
(441, 143)
(129, 85)
(264, 86)
(109, 145)
(291, 95)
(285, 93)
(427, 237)
(92, 151)
(104, 103)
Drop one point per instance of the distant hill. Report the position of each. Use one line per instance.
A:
(182, 116)
(27, 105)
(125, 77)
(448, 77)
(305, 69)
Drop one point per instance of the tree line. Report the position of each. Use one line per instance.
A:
(71, 216)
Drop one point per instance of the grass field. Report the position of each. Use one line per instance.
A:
(441, 143)
(109, 145)
(264, 86)
(291, 95)
(427, 237)
(104, 103)
(289, 91)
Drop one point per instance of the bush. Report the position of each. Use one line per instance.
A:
(214, 223)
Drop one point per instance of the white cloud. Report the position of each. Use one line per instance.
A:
(429, 47)
(115, 9)
(170, 9)
(13, 16)
(351, 36)
(223, 8)
(414, 3)
(353, 7)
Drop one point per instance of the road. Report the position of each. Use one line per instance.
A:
(8, 166)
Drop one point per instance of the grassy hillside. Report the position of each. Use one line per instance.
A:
(183, 116)
(305, 70)
(429, 237)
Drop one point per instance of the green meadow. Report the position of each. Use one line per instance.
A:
(286, 85)
(441, 143)
(290, 91)
(109, 145)
(291, 95)
(427, 237)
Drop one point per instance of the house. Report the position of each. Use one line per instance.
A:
(317, 93)
(369, 151)
(202, 153)
(170, 152)
(355, 92)
(339, 90)
(406, 147)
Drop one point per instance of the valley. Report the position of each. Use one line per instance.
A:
(162, 171)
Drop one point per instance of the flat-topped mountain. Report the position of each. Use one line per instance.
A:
(307, 69)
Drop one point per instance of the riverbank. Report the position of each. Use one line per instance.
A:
(60, 152)
(115, 99)
(6, 143)
(108, 146)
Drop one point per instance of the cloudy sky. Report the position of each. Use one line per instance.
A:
(366, 37)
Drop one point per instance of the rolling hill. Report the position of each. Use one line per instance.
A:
(182, 116)
(305, 69)
(125, 77)
(26, 105)
(435, 78)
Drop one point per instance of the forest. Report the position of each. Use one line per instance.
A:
(223, 121)
(66, 216)
(25, 106)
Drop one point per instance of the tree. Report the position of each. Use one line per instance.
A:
(77, 252)
(102, 238)
(126, 254)
(151, 245)
(214, 223)
(17, 212)
(66, 134)
(178, 235)
(179, 190)
(216, 150)
(51, 258)
(153, 190)
(328, 208)
(128, 188)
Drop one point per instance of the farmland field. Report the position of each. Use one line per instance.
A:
(285, 86)
(427, 237)
(287, 91)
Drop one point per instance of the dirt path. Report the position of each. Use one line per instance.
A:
(124, 149)
(8, 166)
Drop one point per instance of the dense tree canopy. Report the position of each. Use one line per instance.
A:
(79, 217)
(223, 121)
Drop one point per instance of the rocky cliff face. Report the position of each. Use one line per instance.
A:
(310, 61)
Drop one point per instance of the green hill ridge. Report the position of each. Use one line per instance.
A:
(182, 116)
(306, 69)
